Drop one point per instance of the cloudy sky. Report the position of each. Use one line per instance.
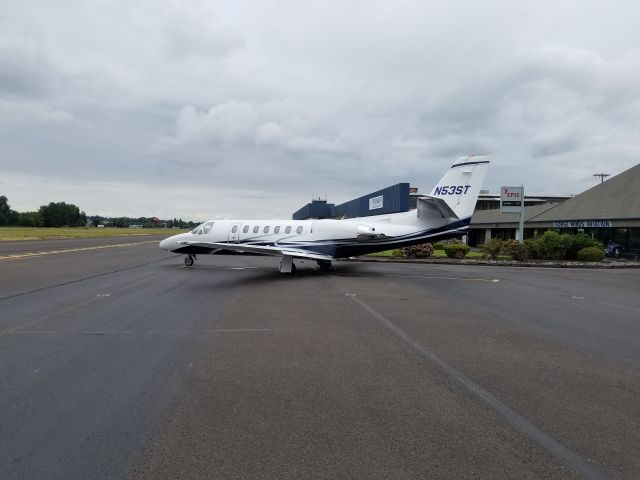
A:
(203, 109)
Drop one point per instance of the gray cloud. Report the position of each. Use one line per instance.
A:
(24, 70)
(256, 106)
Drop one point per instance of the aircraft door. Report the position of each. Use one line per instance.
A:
(234, 232)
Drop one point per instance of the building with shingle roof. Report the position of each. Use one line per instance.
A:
(610, 211)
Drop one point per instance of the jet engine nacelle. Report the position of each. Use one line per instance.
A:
(366, 230)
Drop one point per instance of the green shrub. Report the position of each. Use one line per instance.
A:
(590, 254)
(456, 250)
(579, 242)
(398, 252)
(516, 250)
(419, 251)
(533, 247)
(553, 246)
(492, 248)
(438, 246)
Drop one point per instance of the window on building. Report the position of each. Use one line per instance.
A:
(255, 229)
(288, 229)
(299, 230)
(245, 229)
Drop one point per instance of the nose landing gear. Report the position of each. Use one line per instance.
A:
(189, 260)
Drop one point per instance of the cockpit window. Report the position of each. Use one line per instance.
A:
(207, 227)
(199, 227)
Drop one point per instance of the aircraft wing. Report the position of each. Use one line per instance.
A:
(264, 250)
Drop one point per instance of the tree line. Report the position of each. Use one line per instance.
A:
(55, 214)
(61, 214)
(143, 222)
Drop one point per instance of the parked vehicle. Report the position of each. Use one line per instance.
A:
(613, 249)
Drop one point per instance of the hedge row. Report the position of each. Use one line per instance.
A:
(550, 246)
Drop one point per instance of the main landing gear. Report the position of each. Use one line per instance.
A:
(189, 260)
(325, 265)
(287, 265)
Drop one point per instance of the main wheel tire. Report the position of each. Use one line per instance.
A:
(188, 261)
(324, 265)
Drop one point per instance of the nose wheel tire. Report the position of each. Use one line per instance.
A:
(189, 260)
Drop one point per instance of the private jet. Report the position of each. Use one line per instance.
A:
(444, 213)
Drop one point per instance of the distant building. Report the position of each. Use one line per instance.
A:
(610, 211)
(486, 201)
(316, 209)
(393, 199)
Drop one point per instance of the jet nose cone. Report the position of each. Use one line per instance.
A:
(166, 244)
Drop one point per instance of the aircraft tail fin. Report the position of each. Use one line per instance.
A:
(460, 186)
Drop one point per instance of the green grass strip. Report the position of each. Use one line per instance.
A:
(32, 233)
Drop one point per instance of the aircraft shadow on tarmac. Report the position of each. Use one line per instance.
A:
(247, 275)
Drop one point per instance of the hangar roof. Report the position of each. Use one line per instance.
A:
(616, 198)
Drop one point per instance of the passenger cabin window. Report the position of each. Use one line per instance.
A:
(277, 229)
(266, 229)
(299, 230)
(234, 229)
(245, 229)
(207, 227)
(288, 229)
(255, 229)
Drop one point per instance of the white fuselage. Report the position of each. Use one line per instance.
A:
(445, 213)
(337, 238)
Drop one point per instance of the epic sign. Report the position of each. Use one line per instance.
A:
(511, 199)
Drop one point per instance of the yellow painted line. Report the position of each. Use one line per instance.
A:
(18, 256)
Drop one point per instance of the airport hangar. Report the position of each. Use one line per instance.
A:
(610, 211)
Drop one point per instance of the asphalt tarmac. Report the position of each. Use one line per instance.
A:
(118, 362)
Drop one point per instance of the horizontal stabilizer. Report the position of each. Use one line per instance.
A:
(263, 250)
(428, 206)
